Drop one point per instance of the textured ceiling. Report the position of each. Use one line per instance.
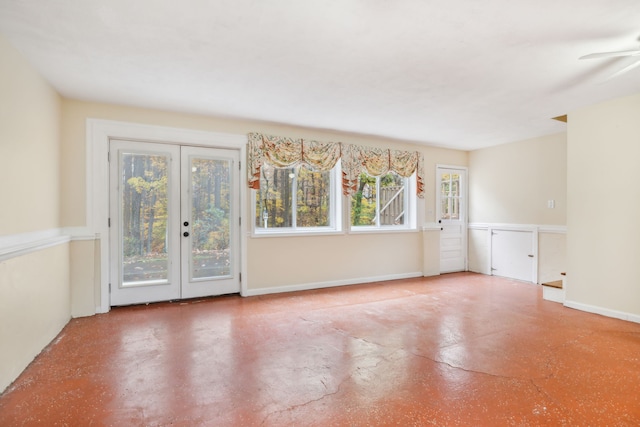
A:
(460, 74)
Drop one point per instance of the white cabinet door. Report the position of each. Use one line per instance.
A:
(513, 254)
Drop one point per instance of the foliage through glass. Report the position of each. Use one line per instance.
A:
(144, 217)
(210, 213)
(379, 201)
(296, 197)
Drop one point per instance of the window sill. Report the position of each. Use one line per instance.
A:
(297, 233)
(382, 230)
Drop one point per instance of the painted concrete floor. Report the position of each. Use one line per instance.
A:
(460, 349)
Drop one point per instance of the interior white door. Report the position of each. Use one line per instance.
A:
(174, 222)
(451, 207)
(513, 254)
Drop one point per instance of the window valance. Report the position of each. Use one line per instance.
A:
(284, 152)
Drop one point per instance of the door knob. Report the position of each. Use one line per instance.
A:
(185, 234)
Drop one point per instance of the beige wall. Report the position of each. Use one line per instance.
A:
(76, 112)
(29, 147)
(273, 262)
(283, 262)
(511, 184)
(604, 206)
(34, 287)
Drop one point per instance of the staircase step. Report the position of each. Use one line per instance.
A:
(554, 284)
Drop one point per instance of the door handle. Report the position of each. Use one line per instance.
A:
(530, 256)
(185, 234)
(186, 223)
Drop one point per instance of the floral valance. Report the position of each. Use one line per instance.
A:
(284, 152)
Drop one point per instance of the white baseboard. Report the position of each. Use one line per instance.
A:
(603, 311)
(330, 284)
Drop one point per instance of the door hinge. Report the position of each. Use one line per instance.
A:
(109, 156)
(239, 165)
(109, 222)
(240, 221)
(240, 279)
(109, 287)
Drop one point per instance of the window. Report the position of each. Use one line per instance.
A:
(297, 199)
(383, 202)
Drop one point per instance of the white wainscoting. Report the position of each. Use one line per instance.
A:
(480, 248)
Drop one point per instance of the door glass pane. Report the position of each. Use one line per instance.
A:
(144, 218)
(210, 213)
(455, 185)
(445, 213)
(444, 185)
(455, 208)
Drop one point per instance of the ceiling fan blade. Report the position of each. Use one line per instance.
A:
(624, 70)
(612, 54)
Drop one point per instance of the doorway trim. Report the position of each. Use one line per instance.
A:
(99, 132)
(465, 211)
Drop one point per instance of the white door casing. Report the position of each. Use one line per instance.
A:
(451, 208)
(174, 216)
(98, 134)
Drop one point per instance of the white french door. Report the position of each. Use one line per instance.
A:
(174, 222)
(452, 217)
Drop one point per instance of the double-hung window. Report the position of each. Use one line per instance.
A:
(299, 186)
(385, 202)
(297, 200)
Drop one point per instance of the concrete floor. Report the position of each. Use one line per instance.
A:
(459, 349)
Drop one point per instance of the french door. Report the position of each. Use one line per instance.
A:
(174, 222)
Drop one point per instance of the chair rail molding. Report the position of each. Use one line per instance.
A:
(540, 228)
(15, 245)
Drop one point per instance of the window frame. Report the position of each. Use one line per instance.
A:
(411, 203)
(335, 212)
